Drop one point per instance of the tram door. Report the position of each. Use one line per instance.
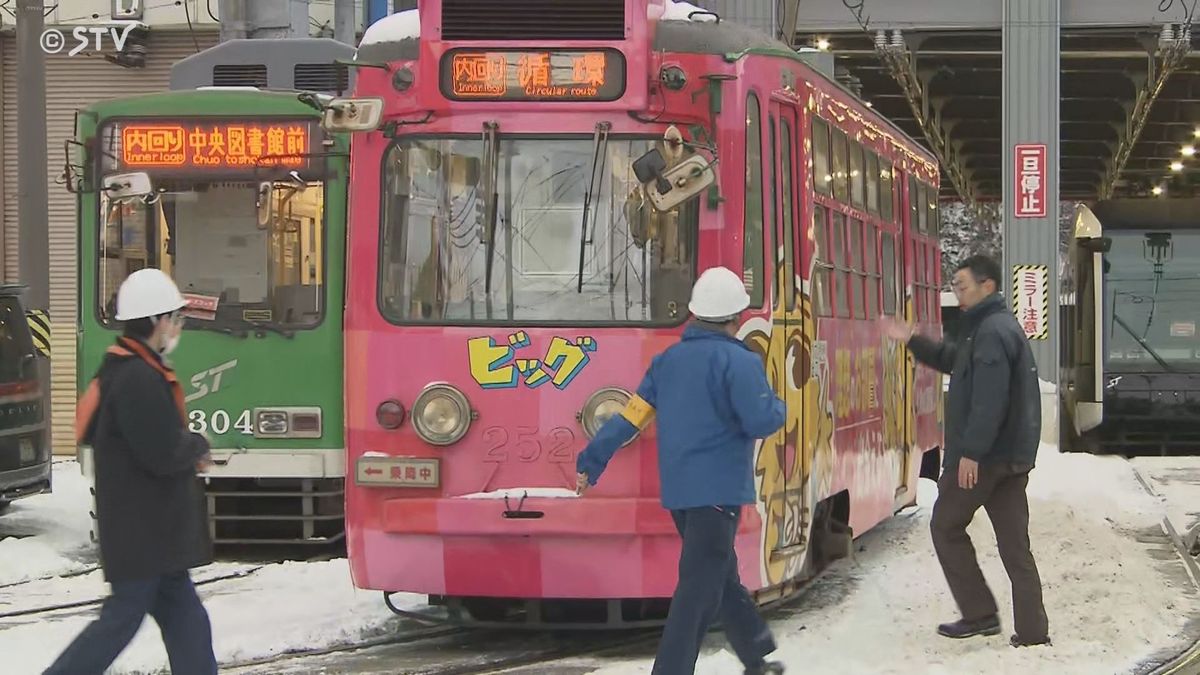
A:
(908, 202)
(784, 139)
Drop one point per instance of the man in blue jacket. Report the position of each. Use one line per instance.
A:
(711, 397)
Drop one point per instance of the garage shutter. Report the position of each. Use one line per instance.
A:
(72, 82)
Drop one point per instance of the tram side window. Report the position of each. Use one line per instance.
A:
(821, 173)
(923, 207)
(753, 264)
(888, 255)
(935, 227)
(887, 196)
(857, 177)
(914, 199)
(841, 171)
(918, 259)
(789, 249)
(872, 266)
(858, 276)
(841, 303)
(821, 268)
(872, 174)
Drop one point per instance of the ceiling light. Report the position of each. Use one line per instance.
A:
(823, 44)
(1177, 166)
(1157, 190)
(1188, 150)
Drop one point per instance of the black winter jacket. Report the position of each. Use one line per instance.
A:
(993, 408)
(150, 505)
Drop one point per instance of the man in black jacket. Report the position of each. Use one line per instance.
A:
(993, 428)
(150, 507)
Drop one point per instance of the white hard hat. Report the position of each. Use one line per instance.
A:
(147, 293)
(719, 294)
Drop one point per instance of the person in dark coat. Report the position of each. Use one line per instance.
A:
(712, 399)
(150, 507)
(993, 429)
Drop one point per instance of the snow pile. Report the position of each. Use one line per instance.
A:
(284, 606)
(404, 25)
(48, 535)
(518, 493)
(1108, 605)
(679, 11)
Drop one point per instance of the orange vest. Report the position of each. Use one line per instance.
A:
(89, 403)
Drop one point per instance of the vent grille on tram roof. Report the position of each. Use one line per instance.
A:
(323, 77)
(533, 20)
(240, 75)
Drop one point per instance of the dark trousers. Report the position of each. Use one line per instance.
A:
(1000, 490)
(171, 599)
(709, 587)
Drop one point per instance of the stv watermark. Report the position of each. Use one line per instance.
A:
(53, 40)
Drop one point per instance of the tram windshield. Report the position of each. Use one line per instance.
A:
(260, 267)
(1152, 301)
(540, 246)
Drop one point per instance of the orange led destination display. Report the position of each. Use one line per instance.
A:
(533, 75)
(215, 145)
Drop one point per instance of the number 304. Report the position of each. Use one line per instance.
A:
(220, 422)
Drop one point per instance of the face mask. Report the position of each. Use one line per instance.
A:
(172, 343)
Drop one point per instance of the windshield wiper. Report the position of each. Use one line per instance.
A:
(1140, 341)
(260, 326)
(215, 327)
(491, 154)
(599, 157)
(239, 328)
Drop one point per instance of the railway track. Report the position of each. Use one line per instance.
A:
(457, 650)
(68, 575)
(35, 610)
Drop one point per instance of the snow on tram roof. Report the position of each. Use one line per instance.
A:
(406, 25)
(679, 11)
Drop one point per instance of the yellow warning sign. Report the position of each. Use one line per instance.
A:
(39, 326)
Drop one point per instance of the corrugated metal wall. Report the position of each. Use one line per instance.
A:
(72, 82)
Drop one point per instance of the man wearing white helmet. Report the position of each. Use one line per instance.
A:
(711, 398)
(150, 508)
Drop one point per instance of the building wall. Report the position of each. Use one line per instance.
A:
(72, 82)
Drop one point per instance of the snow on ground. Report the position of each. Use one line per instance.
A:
(47, 535)
(284, 606)
(280, 607)
(1176, 480)
(1108, 603)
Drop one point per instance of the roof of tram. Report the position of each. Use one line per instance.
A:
(1105, 72)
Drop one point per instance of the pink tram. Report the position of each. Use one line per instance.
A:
(536, 186)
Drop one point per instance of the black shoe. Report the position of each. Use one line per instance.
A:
(768, 668)
(964, 629)
(1016, 641)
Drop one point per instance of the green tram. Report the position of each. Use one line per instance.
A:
(235, 191)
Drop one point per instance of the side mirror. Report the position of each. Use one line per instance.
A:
(670, 188)
(122, 186)
(265, 202)
(352, 114)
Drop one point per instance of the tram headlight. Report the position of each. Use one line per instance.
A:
(441, 415)
(601, 407)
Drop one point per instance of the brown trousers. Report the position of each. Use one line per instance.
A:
(1000, 490)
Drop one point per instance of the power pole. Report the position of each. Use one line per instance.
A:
(33, 227)
(1030, 132)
